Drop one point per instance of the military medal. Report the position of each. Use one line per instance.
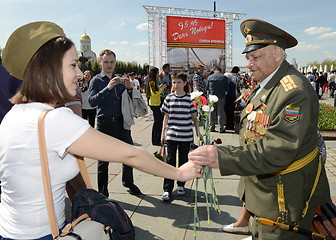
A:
(261, 116)
(262, 131)
(266, 122)
(249, 108)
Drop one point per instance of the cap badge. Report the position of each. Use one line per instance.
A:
(247, 30)
(248, 38)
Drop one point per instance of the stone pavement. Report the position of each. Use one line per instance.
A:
(154, 219)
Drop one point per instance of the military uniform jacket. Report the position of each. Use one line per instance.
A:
(286, 132)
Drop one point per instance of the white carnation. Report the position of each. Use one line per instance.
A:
(195, 94)
(213, 98)
(206, 108)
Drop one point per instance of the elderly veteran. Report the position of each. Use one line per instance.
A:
(278, 158)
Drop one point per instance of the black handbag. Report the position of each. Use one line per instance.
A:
(95, 215)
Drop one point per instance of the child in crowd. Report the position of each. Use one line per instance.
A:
(179, 113)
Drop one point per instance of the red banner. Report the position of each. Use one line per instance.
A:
(186, 32)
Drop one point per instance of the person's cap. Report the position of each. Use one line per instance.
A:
(24, 42)
(259, 34)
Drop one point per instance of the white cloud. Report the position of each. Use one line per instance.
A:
(303, 46)
(329, 54)
(116, 43)
(122, 24)
(140, 44)
(328, 35)
(142, 26)
(317, 30)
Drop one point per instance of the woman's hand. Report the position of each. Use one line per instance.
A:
(189, 171)
(206, 155)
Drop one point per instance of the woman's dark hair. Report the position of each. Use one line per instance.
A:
(43, 76)
(151, 83)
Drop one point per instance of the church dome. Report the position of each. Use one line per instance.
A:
(85, 37)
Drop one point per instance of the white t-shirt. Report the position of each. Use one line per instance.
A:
(85, 100)
(23, 212)
(135, 83)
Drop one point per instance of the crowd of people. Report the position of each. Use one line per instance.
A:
(278, 126)
(322, 82)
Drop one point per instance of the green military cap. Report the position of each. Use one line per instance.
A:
(260, 34)
(24, 42)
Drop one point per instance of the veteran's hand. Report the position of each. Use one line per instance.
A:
(189, 171)
(206, 155)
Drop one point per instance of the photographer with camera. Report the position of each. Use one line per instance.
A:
(106, 92)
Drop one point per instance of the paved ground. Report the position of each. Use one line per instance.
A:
(154, 219)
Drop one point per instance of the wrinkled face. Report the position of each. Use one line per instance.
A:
(107, 62)
(178, 84)
(70, 70)
(262, 62)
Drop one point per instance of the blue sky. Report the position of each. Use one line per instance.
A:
(119, 24)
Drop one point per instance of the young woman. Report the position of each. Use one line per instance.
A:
(179, 113)
(88, 112)
(153, 91)
(49, 70)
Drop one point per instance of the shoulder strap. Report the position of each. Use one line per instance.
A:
(46, 176)
(84, 172)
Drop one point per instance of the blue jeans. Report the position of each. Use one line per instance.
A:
(47, 237)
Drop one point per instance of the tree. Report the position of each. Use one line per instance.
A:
(96, 68)
(88, 66)
(0, 55)
(327, 62)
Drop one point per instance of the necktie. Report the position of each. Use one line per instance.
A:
(253, 93)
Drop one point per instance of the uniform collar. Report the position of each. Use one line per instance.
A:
(265, 92)
(266, 80)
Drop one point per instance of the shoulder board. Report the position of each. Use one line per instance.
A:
(288, 83)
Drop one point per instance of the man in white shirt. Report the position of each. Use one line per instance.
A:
(331, 81)
(134, 82)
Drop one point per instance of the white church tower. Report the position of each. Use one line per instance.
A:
(85, 48)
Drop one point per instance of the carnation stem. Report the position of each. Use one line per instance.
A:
(206, 193)
(214, 194)
(196, 219)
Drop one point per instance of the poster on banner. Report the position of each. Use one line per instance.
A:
(186, 32)
(195, 41)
